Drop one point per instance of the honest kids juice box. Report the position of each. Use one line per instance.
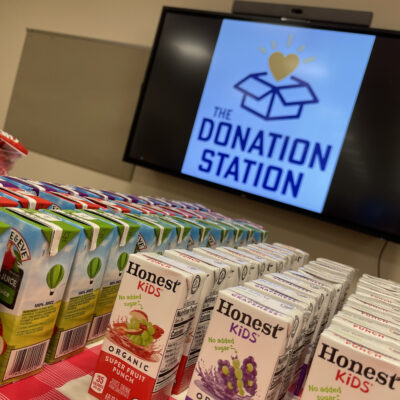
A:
(33, 278)
(142, 348)
(154, 236)
(125, 243)
(83, 287)
(344, 368)
(241, 351)
(214, 281)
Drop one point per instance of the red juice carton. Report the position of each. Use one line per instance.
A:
(142, 348)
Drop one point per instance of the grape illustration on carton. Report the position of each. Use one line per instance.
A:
(230, 379)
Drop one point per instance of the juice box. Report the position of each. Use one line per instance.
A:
(154, 236)
(259, 233)
(241, 354)
(282, 260)
(256, 264)
(83, 287)
(33, 279)
(182, 233)
(143, 346)
(124, 245)
(198, 235)
(239, 268)
(295, 315)
(302, 256)
(214, 281)
(274, 264)
(346, 369)
(25, 199)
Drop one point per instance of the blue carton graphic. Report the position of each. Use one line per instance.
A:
(272, 102)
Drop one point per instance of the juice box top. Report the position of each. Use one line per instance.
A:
(126, 226)
(80, 203)
(22, 183)
(25, 199)
(290, 296)
(382, 283)
(182, 227)
(336, 359)
(254, 266)
(162, 229)
(370, 291)
(168, 269)
(369, 332)
(198, 275)
(193, 224)
(57, 232)
(109, 205)
(217, 270)
(96, 229)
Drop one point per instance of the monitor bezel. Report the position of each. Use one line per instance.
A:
(255, 18)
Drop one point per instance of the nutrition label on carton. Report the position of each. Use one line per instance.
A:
(173, 350)
(201, 328)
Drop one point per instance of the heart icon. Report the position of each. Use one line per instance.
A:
(282, 66)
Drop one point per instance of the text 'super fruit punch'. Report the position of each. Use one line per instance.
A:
(143, 346)
(39, 255)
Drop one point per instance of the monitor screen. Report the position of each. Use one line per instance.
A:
(302, 116)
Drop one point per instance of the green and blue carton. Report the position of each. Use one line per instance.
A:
(81, 293)
(33, 278)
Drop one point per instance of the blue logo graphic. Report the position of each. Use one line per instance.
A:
(275, 110)
(271, 102)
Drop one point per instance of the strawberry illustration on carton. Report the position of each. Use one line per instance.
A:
(39, 255)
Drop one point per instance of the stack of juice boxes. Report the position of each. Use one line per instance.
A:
(263, 333)
(153, 345)
(72, 245)
(358, 355)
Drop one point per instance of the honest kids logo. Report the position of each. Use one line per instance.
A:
(265, 98)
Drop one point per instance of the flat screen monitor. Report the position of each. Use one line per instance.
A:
(304, 116)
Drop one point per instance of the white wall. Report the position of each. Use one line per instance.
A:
(135, 22)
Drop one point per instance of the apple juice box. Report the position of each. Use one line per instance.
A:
(157, 238)
(182, 233)
(33, 278)
(215, 280)
(83, 287)
(242, 351)
(198, 235)
(348, 369)
(125, 243)
(143, 346)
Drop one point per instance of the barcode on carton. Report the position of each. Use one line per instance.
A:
(99, 326)
(26, 360)
(72, 340)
